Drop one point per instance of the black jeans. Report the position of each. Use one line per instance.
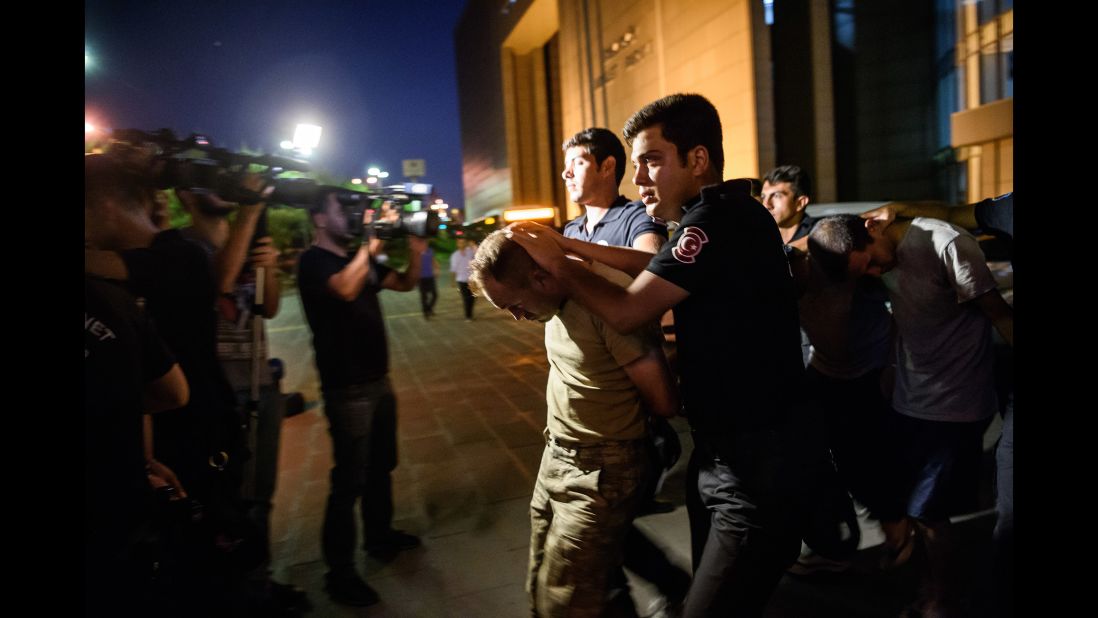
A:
(362, 422)
(467, 298)
(428, 294)
(856, 419)
(745, 523)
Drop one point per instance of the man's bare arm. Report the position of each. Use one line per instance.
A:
(964, 216)
(407, 280)
(630, 261)
(646, 299)
(348, 283)
(625, 310)
(652, 377)
(999, 312)
(230, 259)
(649, 242)
(168, 392)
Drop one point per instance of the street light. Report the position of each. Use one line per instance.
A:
(307, 136)
(374, 174)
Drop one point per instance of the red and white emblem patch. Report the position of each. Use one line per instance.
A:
(689, 245)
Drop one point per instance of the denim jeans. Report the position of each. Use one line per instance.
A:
(362, 423)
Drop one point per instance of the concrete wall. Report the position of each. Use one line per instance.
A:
(705, 46)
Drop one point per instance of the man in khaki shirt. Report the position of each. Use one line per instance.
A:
(594, 468)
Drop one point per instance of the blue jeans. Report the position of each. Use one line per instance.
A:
(362, 423)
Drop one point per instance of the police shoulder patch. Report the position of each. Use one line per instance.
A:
(690, 244)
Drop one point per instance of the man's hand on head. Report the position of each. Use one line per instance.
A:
(540, 242)
(883, 215)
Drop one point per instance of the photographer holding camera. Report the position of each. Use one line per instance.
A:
(339, 293)
(245, 264)
(204, 554)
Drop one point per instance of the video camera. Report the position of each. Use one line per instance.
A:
(194, 164)
(406, 198)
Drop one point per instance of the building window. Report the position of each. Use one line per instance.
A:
(985, 51)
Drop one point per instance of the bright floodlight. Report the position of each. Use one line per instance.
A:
(383, 175)
(371, 180)
(89, 127)
(306, 136)
(287, 144)
(305, 151)
(373, 171)
(89, 61)
(356, 181)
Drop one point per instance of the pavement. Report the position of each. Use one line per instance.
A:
(471, 409)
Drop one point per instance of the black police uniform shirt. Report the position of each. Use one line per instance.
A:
(348, 337)
(122, 354)
(619, 227)
(738, 334)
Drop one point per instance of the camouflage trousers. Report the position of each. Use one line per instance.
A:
(584, 502)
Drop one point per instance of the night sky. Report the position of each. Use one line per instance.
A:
(379, 77)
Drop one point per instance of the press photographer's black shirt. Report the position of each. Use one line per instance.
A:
(122, 354)
(176, 280)
(348, 337)
(738, 334)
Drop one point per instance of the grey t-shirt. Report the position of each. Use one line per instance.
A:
(944, 360)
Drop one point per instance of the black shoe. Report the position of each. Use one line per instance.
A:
(289, 596)
(391, 543)
(349, 589)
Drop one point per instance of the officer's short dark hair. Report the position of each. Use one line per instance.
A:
(686, 120)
